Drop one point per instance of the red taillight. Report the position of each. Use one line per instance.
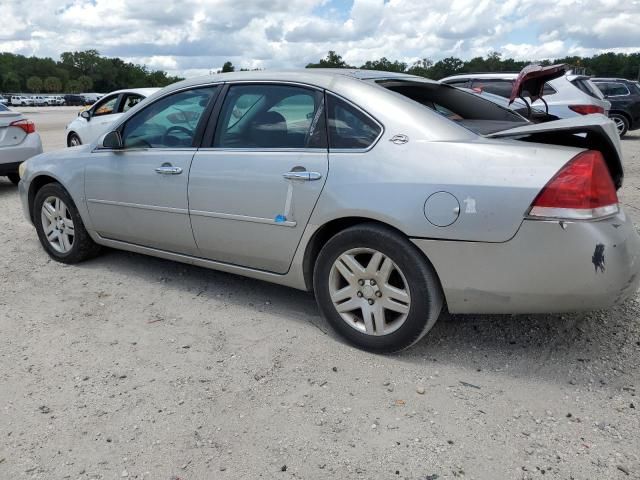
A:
(582, 189)
(586, 109)
(27, 125)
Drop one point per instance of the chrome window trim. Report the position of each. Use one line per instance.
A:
(266, 150)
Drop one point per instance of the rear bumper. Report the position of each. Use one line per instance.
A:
(544, 268)
(11, 157)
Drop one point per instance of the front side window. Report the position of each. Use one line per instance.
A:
(129, 101)
(271, 116)
(348, 127)
(169, 122)
(106, 106)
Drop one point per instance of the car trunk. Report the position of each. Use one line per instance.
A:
(593, 132)
(9, 135)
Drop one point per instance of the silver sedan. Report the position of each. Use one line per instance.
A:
(386, 195)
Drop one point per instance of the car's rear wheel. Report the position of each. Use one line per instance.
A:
(14, 178)
(376, 288)
(622, 124)
(60, 227)
(73, 140)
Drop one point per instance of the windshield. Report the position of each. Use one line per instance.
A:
(473, 112)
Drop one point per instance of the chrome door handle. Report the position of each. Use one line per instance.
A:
(302, 176)
(168, 170)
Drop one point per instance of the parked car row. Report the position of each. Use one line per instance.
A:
(387, 195)
(50, 100)
(568, 95)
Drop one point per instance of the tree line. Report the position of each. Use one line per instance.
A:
(87, 71)
(602, 65)
(75, 72)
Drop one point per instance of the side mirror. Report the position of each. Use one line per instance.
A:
(112, 140)
(86, 115)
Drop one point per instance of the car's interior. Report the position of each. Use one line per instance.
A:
(266, 117)
(470, 111)
(168, 123)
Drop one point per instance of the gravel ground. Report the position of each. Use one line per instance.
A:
(129, 366)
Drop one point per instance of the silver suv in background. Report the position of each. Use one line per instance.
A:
(567, 96)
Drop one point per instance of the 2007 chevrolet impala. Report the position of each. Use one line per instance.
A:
(387, 195)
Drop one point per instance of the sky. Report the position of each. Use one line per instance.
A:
(192, 37)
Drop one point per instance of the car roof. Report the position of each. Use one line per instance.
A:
(320, 77)
(483, 76)
(604, 79)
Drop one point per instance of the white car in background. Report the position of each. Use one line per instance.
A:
(95, 120)
(20, 101)
(19, 141)
(566, 96)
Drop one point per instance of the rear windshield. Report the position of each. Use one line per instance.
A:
(471, 111)
(587, 87)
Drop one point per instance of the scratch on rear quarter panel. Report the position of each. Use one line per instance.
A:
(598, 257)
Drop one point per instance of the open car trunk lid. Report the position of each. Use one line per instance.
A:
(594, 132)
(531, 80)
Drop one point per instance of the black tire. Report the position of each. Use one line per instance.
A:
(421, 281)
(73, 137)
(83, 247)
(14, 178)
(622, 123)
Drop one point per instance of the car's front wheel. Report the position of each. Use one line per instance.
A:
(376, 288)
(622, 124)
(60, 227)
(73, 140)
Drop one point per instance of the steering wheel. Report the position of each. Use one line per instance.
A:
(177, 128)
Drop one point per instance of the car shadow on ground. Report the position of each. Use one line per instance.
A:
(559, 346)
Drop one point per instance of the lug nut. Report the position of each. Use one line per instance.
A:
(359, 294)
(372, 282)
(371, 302)
(360, 282)
(378, 293)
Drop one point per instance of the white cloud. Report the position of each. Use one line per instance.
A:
(194, 36)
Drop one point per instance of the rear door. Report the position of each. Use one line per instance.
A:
(253, 186)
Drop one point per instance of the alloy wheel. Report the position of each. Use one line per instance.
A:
(369, 291)
(57, 224)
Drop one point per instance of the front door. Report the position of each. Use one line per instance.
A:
(251, 193)
(138, 194)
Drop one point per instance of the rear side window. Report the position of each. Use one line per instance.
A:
(349, 128)
(271, 116)
(497, 87)
(616, 89)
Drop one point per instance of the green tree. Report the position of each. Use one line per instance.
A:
(73, 86)
(52, 85)
(228, 67)
(34, 84)
(11, 82)
(86, 83)
(332, 60)
(385, 65)
(421, 68)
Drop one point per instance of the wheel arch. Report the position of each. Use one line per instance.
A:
(72, 132)
(622, 113)
(322, 235)
(36, 184)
